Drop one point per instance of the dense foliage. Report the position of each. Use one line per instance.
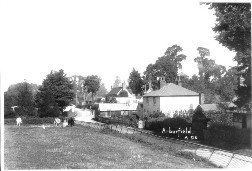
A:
(54, 95)
(233, 29)
(110, 98)
(23, 96)
(135, 82)
(123, 93)
(93, 84)
(166, 66)
(228, 137)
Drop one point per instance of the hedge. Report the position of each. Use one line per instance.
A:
(30, 120)
(227, 137)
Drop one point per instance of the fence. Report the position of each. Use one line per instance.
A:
(219, 157)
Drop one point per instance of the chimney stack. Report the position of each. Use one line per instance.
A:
(162, 82)
(124, 86)
(179, 81)
(150, 88)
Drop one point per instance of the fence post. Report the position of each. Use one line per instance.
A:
(230, 160)
(211, 155)
(196, 149)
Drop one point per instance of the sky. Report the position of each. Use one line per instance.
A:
(107, 38)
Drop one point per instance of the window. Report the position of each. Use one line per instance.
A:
(154, 101)
(147, 100)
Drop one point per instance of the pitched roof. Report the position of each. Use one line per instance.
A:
(171, 89)
(116, 90)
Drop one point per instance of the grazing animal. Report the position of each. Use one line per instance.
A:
(71, 121)
(57, 121)
(19, 121)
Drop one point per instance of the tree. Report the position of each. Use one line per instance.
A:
(135, 82)
(166, 66)
(117, 82)
(233, 29)
(22, 95)
(102, 90)
(110, 98)
(123, 93)
(79, 89)
(93, 84)
(208, 69)
(55, 93)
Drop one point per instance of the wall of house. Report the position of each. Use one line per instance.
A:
(150, 107)
(126, 100)
(168, 105)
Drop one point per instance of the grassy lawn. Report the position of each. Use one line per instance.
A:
(78, 147)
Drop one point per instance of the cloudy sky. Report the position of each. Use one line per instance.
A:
(100, 37)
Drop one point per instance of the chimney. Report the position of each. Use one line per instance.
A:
(201, 98)
(124, 86)
(162, 82)
(179, 81)
(150, 88)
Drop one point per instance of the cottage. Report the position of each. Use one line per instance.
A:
(117, 90)
(170, 98)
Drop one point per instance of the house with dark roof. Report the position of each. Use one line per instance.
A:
(170, 98)
(117, 90)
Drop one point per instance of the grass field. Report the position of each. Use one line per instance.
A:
(80, 147)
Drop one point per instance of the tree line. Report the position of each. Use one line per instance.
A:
(233, 30)
(51, 98)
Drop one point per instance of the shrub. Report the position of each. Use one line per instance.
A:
(175, 123)
(157, 115)
(187, 115)
(154, 124)
(123, 93)
(224, 118)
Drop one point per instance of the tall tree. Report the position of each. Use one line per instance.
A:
(135, 82)
(22, 95)
(57, 90)
(233, 29)
(102, 91)
(79, 89)
(208, 69)
(117, 82)
(166, 66)
(93, 84)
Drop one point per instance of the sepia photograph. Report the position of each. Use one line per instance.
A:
(125, 84)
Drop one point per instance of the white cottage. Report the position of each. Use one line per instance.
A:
(170, 98)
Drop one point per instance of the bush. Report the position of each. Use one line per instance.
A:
(30, 120)
(123, 93)
(187, 115)
(223, 118)
(227, 137)
(154, 124)
(175, 123)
